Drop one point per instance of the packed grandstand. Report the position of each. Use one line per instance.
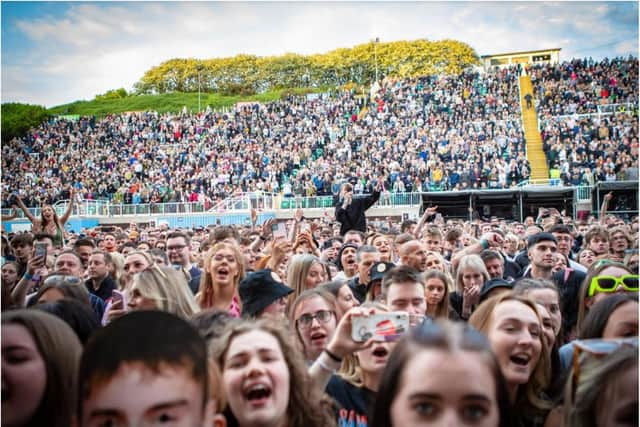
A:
(435, 133)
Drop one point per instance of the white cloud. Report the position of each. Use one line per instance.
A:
(100, 46)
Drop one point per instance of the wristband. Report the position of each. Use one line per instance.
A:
(484, 243)
(27, 276)
(333, 356)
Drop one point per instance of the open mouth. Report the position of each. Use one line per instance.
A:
(257, 393)
(521, 359)
(380, 352)
(222, 272)
(317, 337)
(350, 261)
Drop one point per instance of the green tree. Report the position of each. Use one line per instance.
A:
(248, 74)
(17, 119)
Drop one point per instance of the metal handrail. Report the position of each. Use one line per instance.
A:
(244, 202)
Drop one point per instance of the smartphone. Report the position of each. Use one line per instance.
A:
(40, 250)
(305, 227)
(279, 230)
(438, 217)
(405, 216)
(118, 297)
(381, 326)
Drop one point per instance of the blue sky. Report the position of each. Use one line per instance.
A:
(59, 52)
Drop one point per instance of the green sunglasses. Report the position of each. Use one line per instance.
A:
(629, 283)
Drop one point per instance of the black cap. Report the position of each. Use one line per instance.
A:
(260, 289)
(541, 237)
(380, 269)
(494, 284)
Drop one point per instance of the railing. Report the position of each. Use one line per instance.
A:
(236, 203)
(602, 110)
(100, 208)
(242, 203)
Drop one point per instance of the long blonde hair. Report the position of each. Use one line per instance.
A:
(207, 292)
(297, 271)
(168, 288)
(350, 369)
(529, 395)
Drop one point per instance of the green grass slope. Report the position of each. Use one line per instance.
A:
(171, 102)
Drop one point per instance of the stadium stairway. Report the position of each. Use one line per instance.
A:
(535, 153)
(363, 113)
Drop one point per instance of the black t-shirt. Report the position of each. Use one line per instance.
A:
(353, 403)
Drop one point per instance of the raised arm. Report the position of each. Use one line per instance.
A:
(26, 211)
(13, 214)
(605, 205)
(423, 219)
(65, 217)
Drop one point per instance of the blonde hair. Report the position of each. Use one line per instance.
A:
(297, 271)
(350, 369)
(168, 288)
(117, 260)
(528, 395)
(207, 291)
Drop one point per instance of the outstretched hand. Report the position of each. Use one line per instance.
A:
(342, 344)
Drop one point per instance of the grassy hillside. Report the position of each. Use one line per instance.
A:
(171, 102)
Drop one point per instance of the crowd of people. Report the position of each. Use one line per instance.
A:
(325, 322)
(587, 150)
(426, 134)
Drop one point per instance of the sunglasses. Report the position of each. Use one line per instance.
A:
(595, 348)
(629, 283)
(57, 279)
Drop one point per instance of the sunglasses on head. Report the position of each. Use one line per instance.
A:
(629, 283)
(595, 349)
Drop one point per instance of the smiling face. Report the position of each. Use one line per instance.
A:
(439, 388)
(515, 335)
(224, 267)
(434, 262)
(256, 379)
(47, 213)
(316, 335)
(381, 243)
(24, 375)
